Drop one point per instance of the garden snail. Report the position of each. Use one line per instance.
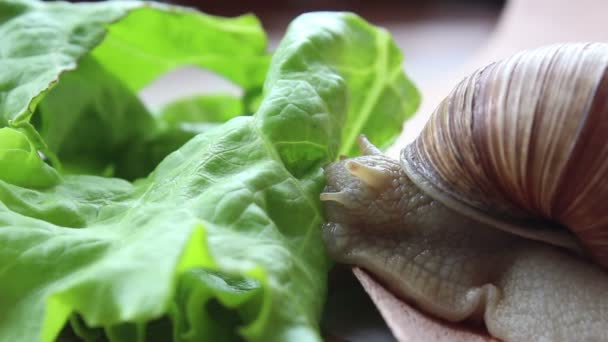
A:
(499, 210)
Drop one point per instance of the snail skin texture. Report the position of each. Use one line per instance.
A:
(498, 212)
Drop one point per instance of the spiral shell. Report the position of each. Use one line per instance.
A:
(523, 142)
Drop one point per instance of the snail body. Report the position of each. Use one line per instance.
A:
(499, 210)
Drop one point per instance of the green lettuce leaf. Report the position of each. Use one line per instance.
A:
(175, 124)
(20, 163)
(222, 240)
(234, 48)
(379, 94)
(129, 44)
(39, 42)
(90, 120)
(199, 113)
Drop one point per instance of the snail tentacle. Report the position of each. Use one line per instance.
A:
(373, 177)
(366, 147)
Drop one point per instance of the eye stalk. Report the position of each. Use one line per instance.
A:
(361, 191)
(373, 177)
(339, 197)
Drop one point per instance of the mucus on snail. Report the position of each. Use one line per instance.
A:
(498, 212)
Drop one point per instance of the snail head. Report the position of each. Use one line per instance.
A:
(362, 191)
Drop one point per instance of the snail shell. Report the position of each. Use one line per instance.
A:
(522, 143)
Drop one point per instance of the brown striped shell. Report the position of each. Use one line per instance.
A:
(523, 143)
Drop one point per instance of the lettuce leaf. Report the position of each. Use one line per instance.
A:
(108, 52)
(16, 149)
(175, 124)
(90, 120)
(221, 240)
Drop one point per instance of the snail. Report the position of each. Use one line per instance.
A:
(498, 212)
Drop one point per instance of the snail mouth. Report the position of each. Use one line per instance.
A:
(349, 244)
(336, 239)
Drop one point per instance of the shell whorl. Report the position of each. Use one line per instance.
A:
(524, 141)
